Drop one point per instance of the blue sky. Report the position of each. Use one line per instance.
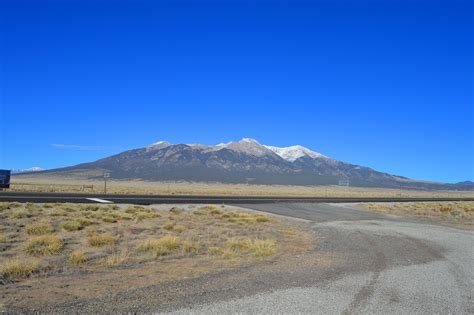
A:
(386, 84)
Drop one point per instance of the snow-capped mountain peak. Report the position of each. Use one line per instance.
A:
(249, 140)
(292, 153)
(245, 145)
(158, 145)
(252, 147)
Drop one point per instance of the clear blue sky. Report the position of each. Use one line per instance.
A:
(386, 84)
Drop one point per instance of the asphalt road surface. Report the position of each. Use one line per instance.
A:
(39, 197)
(363, 263)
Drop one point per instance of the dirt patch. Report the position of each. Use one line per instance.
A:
(85, 251)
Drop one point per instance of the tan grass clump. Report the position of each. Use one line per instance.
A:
(191, 247)
(239, 244)
(3, 238)
(132, 209)
(39, 229)
(43, 245)
(259, 248)
(15, 268)
(99, 240)
(160, 247)
(84, 221)
(90, 208)
(179, 228)
(169, 226)
(142, 215)
(208, 208)
(445, 209)
(116, 259)
(58, 213)
(216, 211)
(214, 250)
(72, 225)
(108, 218)
(9, 205)
(263, 248)
(262, 218)
(77, 257)
(20, 214)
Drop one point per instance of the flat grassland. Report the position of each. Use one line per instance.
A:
(61, 184)
(458, 213)
(55, 253)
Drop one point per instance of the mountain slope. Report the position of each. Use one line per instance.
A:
(235, 162)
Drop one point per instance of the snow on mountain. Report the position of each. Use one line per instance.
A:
(293, 165)
(158, 145)
(294, 152)
(246, 145)
(252, 147)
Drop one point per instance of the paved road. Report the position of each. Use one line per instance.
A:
(8, 196)
(364, 263)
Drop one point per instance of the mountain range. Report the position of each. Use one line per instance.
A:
(244, 161)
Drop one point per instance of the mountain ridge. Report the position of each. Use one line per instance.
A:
(244, 161)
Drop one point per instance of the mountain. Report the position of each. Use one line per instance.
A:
(241, 161)
(466, 185)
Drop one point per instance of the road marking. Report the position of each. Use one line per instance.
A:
(99, 200)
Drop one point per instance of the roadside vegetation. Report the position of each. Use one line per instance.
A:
(459, 213)
(108, 248)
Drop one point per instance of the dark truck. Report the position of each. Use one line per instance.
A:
(5, 179)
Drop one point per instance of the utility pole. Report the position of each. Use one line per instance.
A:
(106, 175)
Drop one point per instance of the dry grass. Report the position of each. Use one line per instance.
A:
(169, 226)
(179, 228)
(245, 246)
(214, 250)
(39, 229)
(21, 214)
(43, 245)
(15, 268)
(263, 248)
(74, 184)
(160, 247)
(116, 259)
(191, 246)
(459, 212)
(72, 225)
(77, 257)
(58, 213)
(154, 242)
(98, 240)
